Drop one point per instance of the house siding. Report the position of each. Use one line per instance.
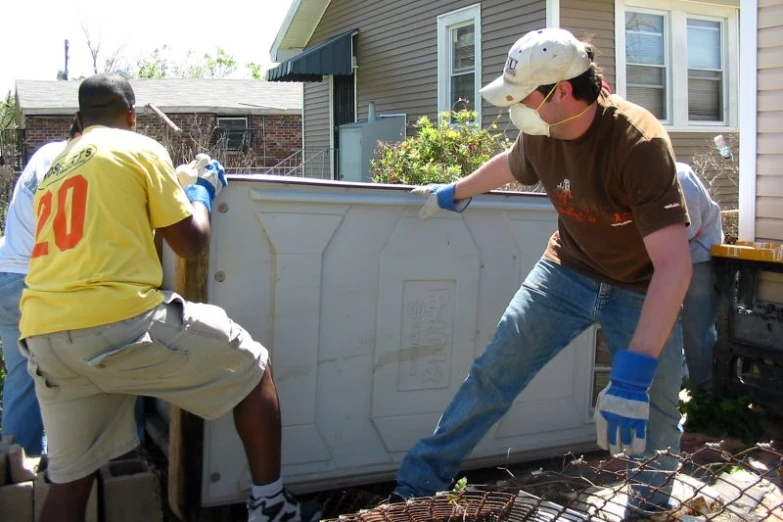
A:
(593, 21)
(399, 73)
(769, 173)
(317, 124)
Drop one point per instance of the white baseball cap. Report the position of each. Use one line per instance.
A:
(541, 57)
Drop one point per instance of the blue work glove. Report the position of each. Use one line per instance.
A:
(439, 197)
(623, 407)
(213, 177)
(210, 181)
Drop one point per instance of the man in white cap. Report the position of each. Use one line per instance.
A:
(619, 259)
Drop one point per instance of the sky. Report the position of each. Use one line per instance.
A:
(33, 35)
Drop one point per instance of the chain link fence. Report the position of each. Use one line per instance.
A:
(711, 484)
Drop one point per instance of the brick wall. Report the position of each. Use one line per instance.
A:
(274, 137)
(43, 129)
(279, 137)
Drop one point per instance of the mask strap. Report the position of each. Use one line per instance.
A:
(573, 117)
(552, 90)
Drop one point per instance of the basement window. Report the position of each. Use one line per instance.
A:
(232, 133)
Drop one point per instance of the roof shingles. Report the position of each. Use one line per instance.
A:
(45, 97)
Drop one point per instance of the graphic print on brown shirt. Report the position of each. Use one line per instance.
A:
(611, 187)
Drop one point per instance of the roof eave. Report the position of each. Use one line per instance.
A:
(297, 27)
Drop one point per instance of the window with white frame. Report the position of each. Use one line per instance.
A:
(459, 60)
(678, 61)
(233, 133)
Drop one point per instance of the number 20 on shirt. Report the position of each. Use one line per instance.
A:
(64, 206)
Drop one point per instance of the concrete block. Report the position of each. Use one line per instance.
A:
(21, 468)
(131, 492)
(41, 491)
(16, 502)
(5, 442)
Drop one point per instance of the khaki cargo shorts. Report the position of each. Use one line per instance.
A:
(189, 354)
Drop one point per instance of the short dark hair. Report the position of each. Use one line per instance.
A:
(104, 98)
(586, 86)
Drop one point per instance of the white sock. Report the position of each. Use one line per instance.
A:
(267, 490)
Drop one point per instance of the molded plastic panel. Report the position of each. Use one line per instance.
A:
(372, 318)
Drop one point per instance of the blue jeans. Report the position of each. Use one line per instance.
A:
(699, 318)
(21, 412)
(553, 306)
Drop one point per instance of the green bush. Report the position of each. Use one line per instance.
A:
(438, 154)
(720, 416)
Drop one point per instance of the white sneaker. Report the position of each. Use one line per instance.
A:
(282, 507)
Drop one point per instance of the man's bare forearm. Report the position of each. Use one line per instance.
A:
(491, 175)
(661, 306)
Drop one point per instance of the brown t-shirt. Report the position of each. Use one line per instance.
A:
(611, 187)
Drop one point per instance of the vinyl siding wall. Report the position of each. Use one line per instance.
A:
(396, 54)
(316, 123)
(593, 21)
(769, 165)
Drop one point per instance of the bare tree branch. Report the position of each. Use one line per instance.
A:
(93, 46)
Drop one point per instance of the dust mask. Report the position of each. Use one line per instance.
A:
(527, 120)
(530, 122)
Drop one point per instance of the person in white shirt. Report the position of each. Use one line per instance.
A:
(700, 307)
(21, 413)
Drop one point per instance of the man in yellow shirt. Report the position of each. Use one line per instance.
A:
(97, 330)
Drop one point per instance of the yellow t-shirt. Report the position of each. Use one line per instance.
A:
(94, 261)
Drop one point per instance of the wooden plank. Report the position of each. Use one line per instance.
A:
(751, 251)
(185, 429)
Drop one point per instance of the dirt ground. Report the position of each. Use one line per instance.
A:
(347, 501)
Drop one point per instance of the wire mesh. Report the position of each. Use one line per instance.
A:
(710, 484)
